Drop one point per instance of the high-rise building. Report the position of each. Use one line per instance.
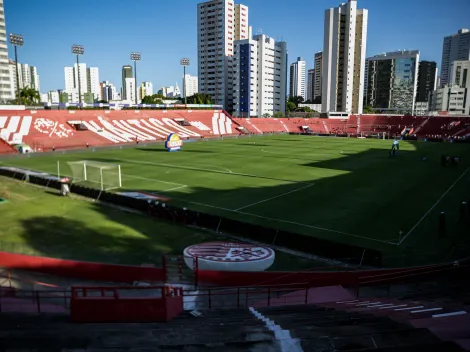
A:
(126, 73)
(72, 82)
(393, 81)
(129, 90)
(427, 80)
(344, 52)
(460, 74)
(219, 24)
(27, 77)
(190, 84)
(5, 85)
(455, 47)
(259, 76)
(146, 89)
(108, 91)
(318, 79)
(297, 79)
(93, 82)
(310, 84)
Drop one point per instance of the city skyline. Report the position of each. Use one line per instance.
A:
(162, 67)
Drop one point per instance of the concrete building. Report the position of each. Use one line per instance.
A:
(72, 82)
(93, 82)
(310, 84)
(392, 81)
(126, 73)
(455, 47)
(52, 96)
(427, 80)
(260, 76)
(219, 24)
(460, 73)
(453, 99)
(317, 89)
(297, 79)
(344, 52)
(191, 84)
(108, 91)
(146, 89)
(5, 82)
(27, 77)
(129, 90)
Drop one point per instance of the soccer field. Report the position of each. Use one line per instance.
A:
(342, 189)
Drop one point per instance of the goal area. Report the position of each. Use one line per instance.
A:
(106, 176)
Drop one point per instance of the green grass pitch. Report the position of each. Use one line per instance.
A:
(343, 189)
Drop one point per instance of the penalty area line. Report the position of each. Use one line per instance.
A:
(432, 208)
(278, 196)
(282, 221)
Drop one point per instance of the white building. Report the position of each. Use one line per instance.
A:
(5, 81)
(27, 77)
(50, 97)
(310, 84)
(344, 52)
(146, 89)
(72, 82)
(297, 79)
(460, 73)
(93, 82)
(455, 47)
(219, 24)
(109, 92)
(129, 90)
(190, 84)
(260, 76)
(318, 79)
(453, 99)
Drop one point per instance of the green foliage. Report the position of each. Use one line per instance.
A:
(291, 106)
(199, 98)
(278, 114)
(153, 99)
(267, 115)
(29, 96)
(368, 110)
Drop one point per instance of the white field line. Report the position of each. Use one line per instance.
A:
(154, 180)
(435, 204)
(225, 170)
(278, 196)
(209, 170)
(282, 221)
(174, 188)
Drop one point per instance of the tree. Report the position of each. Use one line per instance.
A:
(200, 98)
(153, 99)
(296, 100)
(266, 115)
(102, 101)
(29, 96)
(368, 110)
(278, 114)
(291, 106)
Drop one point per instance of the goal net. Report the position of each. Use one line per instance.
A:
(106, 176)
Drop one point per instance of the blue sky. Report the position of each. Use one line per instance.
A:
(164, 31)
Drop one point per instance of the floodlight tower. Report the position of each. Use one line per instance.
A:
(135, 57)
(78, 50)
(184, 62)
(17, 40)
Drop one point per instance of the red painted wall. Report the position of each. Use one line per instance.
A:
(81, 270)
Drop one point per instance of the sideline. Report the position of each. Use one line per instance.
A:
(431, 209)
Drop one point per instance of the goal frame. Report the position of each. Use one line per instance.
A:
(100, 166)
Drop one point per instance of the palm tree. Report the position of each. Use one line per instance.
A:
(29, 96)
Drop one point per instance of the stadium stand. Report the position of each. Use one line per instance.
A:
(66, 129)
(6, 148)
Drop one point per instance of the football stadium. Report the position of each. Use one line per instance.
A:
(307, 194)
(287, 211)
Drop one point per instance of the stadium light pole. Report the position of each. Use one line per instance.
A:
(78, 50)
(135, 57)
(184, 62)
(17, 40)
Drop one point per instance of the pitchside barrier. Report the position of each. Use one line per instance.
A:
(325, 248)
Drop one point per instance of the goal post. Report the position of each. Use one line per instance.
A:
(105, 176)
